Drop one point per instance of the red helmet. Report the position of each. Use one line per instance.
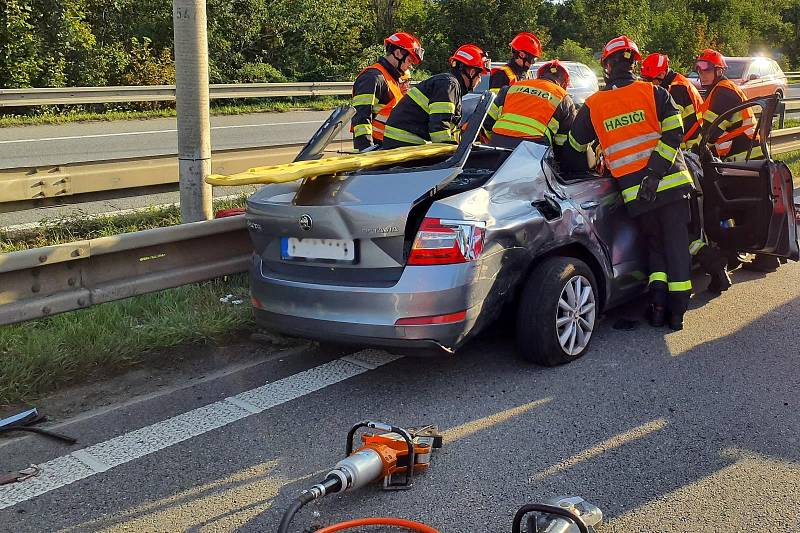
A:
(527, 42)
(621, 44)
(409, 43)
(655, 64)
(554, 67)
(471, 55)
(712, 57)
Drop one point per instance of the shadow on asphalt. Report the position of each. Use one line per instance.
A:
(654, 428)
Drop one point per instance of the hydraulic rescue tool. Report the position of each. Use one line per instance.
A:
(570, 514)
(385, 455)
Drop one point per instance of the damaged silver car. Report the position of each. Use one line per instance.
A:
(427, 254)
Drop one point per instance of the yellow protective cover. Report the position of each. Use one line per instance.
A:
(331, 165)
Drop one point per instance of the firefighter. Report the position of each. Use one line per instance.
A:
(732, 139)
(655, 69)
(378, 88)
(431, 110)
(538, 110)
(639, 128)
(525, 50)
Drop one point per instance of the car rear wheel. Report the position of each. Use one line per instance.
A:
(558, 312)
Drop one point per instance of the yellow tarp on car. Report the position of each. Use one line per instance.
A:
(331, 165)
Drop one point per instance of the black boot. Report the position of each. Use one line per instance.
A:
(720, 281)
(714, 263)
(656, 315)
(676, 321)
(762, 263)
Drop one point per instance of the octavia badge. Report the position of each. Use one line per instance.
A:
(305, 222)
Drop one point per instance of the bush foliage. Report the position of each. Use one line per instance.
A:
(122, 42)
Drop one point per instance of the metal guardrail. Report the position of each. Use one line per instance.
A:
(785, 140)
(164, 93)
(44, 281)
(24, 188)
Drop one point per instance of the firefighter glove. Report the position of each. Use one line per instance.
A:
(648, 188)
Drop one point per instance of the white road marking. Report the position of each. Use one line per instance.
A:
(106, 455)
(131, 133)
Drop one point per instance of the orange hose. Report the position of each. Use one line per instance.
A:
(386, 521)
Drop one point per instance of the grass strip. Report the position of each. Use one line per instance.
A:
(64, 115)
(38, 356)
(792, 160)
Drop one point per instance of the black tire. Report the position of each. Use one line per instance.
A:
(538, 311)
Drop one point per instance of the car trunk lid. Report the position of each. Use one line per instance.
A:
(352, 228)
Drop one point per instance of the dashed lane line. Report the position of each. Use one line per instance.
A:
(125, 448)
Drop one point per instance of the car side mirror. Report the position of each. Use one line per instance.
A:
(752, 77)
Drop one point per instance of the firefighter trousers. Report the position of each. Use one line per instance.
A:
(667, 236)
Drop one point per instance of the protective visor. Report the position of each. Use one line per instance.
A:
(704, 66)
(420, 53)
(487, 65)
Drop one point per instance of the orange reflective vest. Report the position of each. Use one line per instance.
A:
(512, 78)
(746, 117)
(529, 109)
(697, 104)
(627, 126)
(380, 112)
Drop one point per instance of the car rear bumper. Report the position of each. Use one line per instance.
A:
(368, 315)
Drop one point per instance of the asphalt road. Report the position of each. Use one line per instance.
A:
(691, 431)
(96, 141)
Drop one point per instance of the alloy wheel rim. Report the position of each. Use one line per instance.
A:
(575, 315)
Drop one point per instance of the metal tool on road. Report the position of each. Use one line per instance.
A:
(570, 514)
(23, 422)
(19, 475)
(391, 455)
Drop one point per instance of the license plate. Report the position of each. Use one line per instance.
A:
(330, 249)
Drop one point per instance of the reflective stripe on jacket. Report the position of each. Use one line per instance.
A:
(691, 105)
(627, 126)
(430, 111)
(529, 109)
(741, 123)
(510, 74)
(380, 112)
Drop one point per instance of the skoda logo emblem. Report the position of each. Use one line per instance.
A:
(305, 222)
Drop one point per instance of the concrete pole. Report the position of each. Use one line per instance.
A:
(194, 132)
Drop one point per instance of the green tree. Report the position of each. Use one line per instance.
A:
(491, 24)
(569, 50)
(20, 64)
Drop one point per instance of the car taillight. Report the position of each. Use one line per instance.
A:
(445, 242)
(450, 318)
